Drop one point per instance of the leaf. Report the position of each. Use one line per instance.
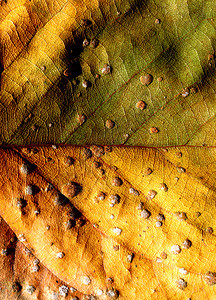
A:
(170, 40)
(138, 253)
(20, 271)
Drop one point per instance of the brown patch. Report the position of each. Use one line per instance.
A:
(146, 79)
(154, 130)
(110, 124)
(141, 105)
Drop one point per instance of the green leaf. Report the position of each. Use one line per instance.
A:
(174, 40)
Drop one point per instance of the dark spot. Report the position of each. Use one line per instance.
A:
(147, 171)
(94, 43)
(70, 224)
(16, 287)
(68, 161)
(97, 164)
(85, 22)
(117, 181)
(87, 153)
(181, 284)
(209, 230)
(74, 213)
(108, 149)
(71, 189)
(21, 203)
(210, 278)
(60, 199)
(98, 151)
(187, 244)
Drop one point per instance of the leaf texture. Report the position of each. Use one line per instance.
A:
(172, 41)
(139, 254)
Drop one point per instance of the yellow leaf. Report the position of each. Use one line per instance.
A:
(163, 250)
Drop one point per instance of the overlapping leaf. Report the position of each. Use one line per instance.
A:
(100, 242)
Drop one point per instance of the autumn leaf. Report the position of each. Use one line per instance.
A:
(75, 72)
(81, 220)
(116, 220)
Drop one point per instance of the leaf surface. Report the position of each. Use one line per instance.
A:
(92, 248)
(174, 41)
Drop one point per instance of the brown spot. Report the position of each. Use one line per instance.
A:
(21, 203)
(181, 216)
(87, 153)
(85, 42)
(160, 217)
(97, 76)
(96, 164)
(181, 284)
(116, 247)
(74, 213)
(59, 199)
(4, 252)
(210, 56)
(176, 249)
(187, 244)
(180, 169)
(157, 21)
(84, 22)
(98, 151)
(147, 171)
(102, 171)
(71, 189)
(114, 199)
(151, 194)
(178, 154)
(16, 287)
(108, 149)
(163, 255)
(113, 294)
(193, 90)
(82, 119)
(70, 224)
(117, 181)
(154, 130)
(110, 124)
(209, 230)
(146, 79)
(43, 68)
(160, 79)
(209, 278)
(163, 187)
(141, 105)
(94, 43)
(115, 168)
(68, 161)
(145, 214)
(101, 196)
(185, 92)
(106, 69)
